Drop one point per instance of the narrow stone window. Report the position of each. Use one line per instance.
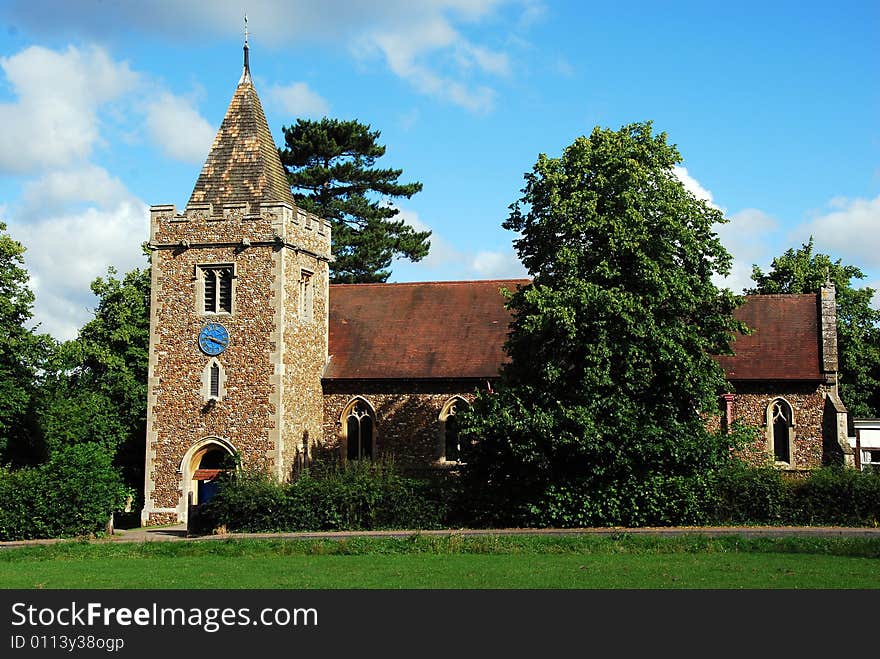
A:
(359, 428)
(217, 288)
(215, 380)
(306, 296)
(780, 430)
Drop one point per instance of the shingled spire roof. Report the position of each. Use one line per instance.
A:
(243, 164)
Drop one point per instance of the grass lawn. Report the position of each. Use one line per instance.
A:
(452, 562)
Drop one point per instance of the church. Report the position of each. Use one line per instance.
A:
(255, 356)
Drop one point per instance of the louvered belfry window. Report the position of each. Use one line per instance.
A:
(217, 289)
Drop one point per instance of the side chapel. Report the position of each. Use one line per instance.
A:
(254, 354)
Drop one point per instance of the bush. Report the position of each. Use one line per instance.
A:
(73, 494)
(751, 495)
(357, 496)
(368, 496)
(837, 496)
(654, 501)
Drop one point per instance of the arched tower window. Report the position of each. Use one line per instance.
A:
(780, 431)
(358, 423)
(450, 439)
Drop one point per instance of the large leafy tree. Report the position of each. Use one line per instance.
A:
(98, 392)
(611, 373)
(22, 352)
(330, 166)
(802, 270)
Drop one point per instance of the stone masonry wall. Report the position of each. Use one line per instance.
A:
(408, 426)
(808, 403)
(407, 417)
(305, 355)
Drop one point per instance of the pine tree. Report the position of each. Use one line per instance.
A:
(330, 166)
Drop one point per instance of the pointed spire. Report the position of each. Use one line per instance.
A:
(243, 164)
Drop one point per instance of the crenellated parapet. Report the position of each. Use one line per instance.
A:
(242, 225)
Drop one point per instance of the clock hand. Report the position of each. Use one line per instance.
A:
(222, 343)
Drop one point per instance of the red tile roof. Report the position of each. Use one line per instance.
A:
(458, 329)
(785, 343)
(419, 330)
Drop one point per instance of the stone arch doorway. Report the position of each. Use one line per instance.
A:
(201, 467)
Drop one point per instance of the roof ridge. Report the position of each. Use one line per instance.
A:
(436, 282)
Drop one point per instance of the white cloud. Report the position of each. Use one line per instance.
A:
(54, 120)
(75, 217)
(88, 183)
(405, 50)
(298, 100)
(67, 252)
(179, 129)
(692, 185)
(442, 253)
(875, 301)
(851, 231)
(747, 236)
(420, 41)
(497, 265)
(450, 261)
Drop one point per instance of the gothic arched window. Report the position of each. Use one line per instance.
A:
(450, 437)
(359, 424)
(780, 430)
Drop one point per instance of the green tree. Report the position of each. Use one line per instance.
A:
(611, 374)
(858, 337)
(330, 166)
(98, 392)
(21, 353)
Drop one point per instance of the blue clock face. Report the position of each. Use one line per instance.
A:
(213, 339)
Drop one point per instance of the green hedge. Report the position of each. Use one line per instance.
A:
(366, 496)
(831, 496)
(359, 496)
(737, 494)
(73, 494)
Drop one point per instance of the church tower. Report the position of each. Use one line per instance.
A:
(238, 320)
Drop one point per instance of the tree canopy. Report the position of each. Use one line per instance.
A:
(22, 352)
(97, 392)
(611, 373)
(858, 336)
(330, 167)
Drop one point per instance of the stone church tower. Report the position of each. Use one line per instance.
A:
(239, 320)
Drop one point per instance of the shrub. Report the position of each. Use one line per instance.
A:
(837, 496)
(654, 501)
(357, 496)
(750, 495)
(73, 494)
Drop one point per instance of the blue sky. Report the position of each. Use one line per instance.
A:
(106, 108)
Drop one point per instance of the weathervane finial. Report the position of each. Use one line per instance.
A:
(247, 65)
